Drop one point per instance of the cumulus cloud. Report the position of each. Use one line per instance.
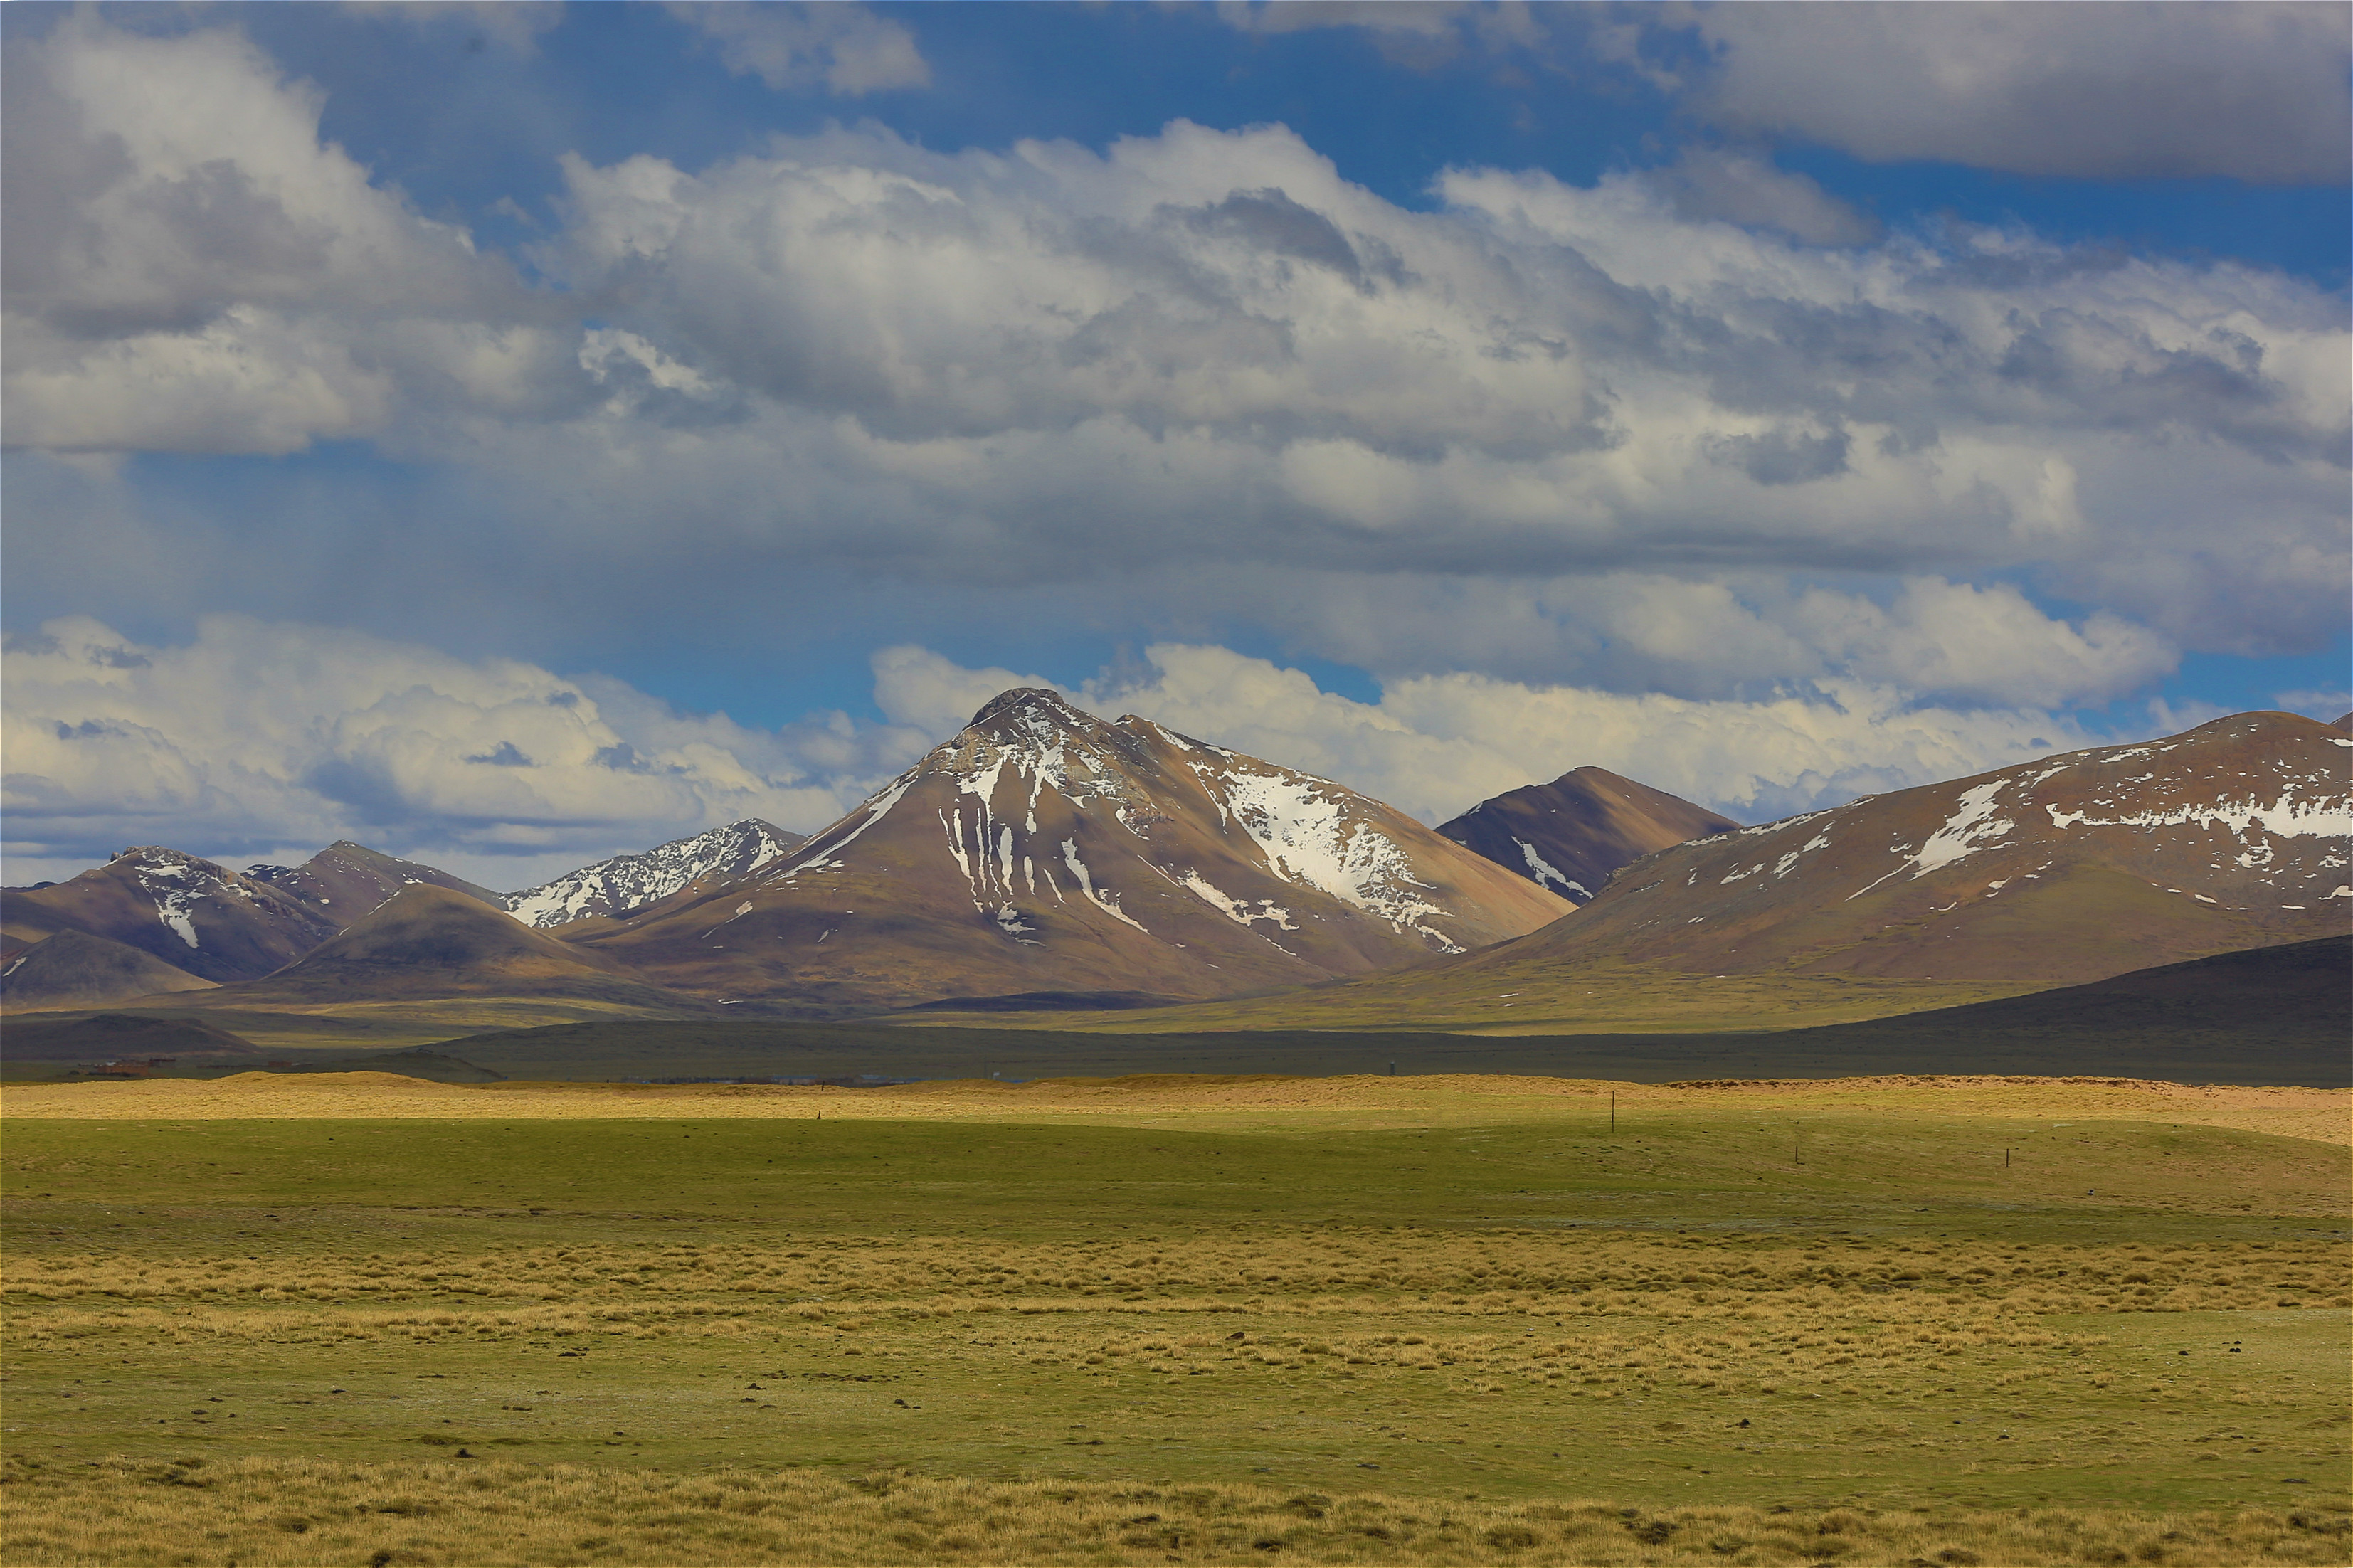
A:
(1436, 745)
(2327, 706)
(261, 739)
(1199, 356)
(2129, 89)
(792, 46)
(1743, 188)
(1060, 364)
(2248, 90)
(189, 268)
(257, 740)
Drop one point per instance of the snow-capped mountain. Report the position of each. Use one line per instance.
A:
(628, 882)
(1041, 850)
(2067, 869)
(1568, 835)
(345, 880)
(192, 914)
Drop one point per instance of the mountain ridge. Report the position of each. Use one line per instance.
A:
(1042, 849)
(623, 884)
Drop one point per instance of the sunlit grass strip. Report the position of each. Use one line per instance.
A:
(123, 1513)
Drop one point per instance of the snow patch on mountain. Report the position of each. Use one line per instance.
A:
(1546, 873)
(2284, 818)
(1233, 909)
(626, 882)
(1307, 838)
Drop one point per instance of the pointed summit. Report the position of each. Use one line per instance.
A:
(1041, 850)
(1030, 715)
(1044, 700)
(1568, 835)
(345, 880)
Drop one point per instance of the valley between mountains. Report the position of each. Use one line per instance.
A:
(1046, 869)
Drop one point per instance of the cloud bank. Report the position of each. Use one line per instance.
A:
(1193, 352)
(268, 741)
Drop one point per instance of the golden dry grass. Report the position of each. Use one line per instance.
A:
(2321, 1115)
(125, 1514)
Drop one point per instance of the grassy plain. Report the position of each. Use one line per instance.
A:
(365, 1319)
(1534, 996)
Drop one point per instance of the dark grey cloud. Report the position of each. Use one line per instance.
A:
(2248, 90)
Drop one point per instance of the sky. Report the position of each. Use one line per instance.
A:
(509, 435)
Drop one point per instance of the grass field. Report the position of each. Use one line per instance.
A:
(1432, 1320)
(1596, 996)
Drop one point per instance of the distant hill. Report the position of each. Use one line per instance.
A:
(1568, 835)
(418, 1062)
(74, 969)
(2055, 872)
(2268, 1015)
(103, 1036)
(2272, 1005)
(432, 942)
(345, 880)
(192, 914)
(1042, 849)
(2052, 872)
(629, 882)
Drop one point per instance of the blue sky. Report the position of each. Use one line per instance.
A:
(1438, 396)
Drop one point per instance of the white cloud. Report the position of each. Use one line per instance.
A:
(2248, 90)
(1197, 356)
(1207, 340)
(266, 741)
(1742, 188)
(1436, 745)
(2131, 89)
(2327, 706)
(190, 269)
(258, 738)
(791, 46)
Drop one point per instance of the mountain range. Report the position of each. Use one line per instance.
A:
(1044, 850)
(1046, 859)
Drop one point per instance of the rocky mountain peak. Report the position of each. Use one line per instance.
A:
(626, 882)
(1036, 710)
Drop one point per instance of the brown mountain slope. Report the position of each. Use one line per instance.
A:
(1044, 850)
(2053, 872)
(103, 1036)
(74, 969)
(427, 943)
(191, 913)
(345, 880)
(1568, 835)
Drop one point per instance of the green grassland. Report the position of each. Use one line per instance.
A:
(1541, 995)
(1700, 1337)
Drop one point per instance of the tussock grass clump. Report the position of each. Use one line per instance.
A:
(1583, 1274)
(123, 1513)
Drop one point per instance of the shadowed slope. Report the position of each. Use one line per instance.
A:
(345, 880)
(104, 1036)
(75, 969)
(428, 942)
(1568, 835)
(192, 914)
